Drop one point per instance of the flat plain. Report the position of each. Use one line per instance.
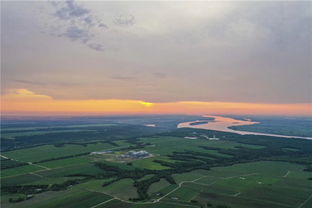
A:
(235, 171)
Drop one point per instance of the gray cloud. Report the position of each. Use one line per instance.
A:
(126, 78)
(78, 23)
(29, 82)
(70, 10)
(42, 84)
(103, 25)
(159, 75)
(74, 33)
(125, 20)
(96, 46)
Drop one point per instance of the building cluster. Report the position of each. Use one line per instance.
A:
(101, 152)
(136, 154)
(210, 138)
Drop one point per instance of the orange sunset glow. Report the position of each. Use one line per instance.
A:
(103, 58)
(26, 102)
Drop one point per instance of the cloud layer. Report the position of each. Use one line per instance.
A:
(78, 23)
(256, 52)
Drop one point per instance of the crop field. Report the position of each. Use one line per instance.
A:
(31, 133)
(122, 189)
(54, 127)
(148, 163)
(84, 168)
(158, 186)
(189, 176)
(167, 145)
(265, 182)
(73, 198)
(66, 162)
(235, 187)
(232, 186)
(20, 170)
(231, 172)
(46, 152)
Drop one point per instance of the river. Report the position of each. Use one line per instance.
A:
(221, 123)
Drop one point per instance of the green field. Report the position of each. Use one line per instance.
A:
(31, 133)
(254, 183)
(47, 129)
(66, 162)
(234, 172)
(167, 145)
(122, 189)
(45, 152)
(74, 198)
(158, 186)
(20, 170)
(149, 164)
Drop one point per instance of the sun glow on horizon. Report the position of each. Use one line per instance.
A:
(24, 101)
(146, 104)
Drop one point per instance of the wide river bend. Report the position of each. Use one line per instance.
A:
(221, 123)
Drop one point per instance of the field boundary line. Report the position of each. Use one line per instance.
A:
(104, 202)
(41, 166)
(204, 184)
(185, 205)
(261, 200)
(305, 201)
(286, 174)
(239, 175)
(237, 194)
(5, 157)
(36, 174)
(43, 169)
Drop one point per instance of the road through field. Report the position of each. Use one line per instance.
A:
(162, 197)
(303, 203)
(29, 163)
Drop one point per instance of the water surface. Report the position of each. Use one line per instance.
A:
(221, 123)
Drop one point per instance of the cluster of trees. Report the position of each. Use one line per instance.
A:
(24, 189)
(66, 184)
(142, 187)
(8, 163)
(120, 173)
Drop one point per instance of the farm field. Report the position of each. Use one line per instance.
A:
(148, 163)
(41, 132)
(46, 152)
(72, 198)
(232, 172)
(267, 182)
(236, 186)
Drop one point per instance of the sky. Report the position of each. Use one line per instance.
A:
(133, 57)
